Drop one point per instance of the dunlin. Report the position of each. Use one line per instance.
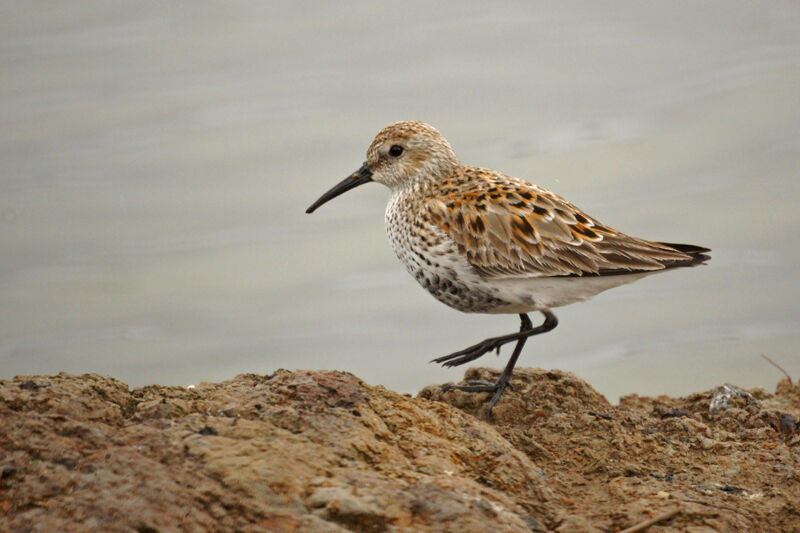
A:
(483, 242)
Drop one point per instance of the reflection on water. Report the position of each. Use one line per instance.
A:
(157, 162)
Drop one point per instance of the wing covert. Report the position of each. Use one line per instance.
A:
(507, 228)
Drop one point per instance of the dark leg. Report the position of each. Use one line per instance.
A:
(526, 330)
(474, 352)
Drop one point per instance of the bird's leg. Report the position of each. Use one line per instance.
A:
(526, 330)
(474, 352)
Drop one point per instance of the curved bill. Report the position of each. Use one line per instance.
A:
(360, 176)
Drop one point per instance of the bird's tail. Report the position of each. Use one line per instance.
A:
(697, 254)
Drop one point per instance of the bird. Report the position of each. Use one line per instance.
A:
(481, 241)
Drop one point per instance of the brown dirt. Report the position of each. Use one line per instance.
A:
(320, 451)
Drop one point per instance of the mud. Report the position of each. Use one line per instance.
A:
(321, 451)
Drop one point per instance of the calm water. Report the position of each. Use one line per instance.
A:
(157, 160)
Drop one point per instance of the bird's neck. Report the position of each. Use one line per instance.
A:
(427, 177)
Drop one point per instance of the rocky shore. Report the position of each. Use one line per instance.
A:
(322, 451)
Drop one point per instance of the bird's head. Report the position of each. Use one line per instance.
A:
(401, 153)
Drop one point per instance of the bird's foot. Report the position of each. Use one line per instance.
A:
(479, 385)
(473, 352)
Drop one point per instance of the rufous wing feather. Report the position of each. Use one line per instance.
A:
(508, 228)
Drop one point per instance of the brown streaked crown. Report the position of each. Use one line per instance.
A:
(426, 154)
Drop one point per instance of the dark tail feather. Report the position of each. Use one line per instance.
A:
(698, 254)
(690, 249)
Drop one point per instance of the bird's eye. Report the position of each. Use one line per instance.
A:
(395, 150)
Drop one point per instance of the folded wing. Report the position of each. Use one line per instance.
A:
(508, 228)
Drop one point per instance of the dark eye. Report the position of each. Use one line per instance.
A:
(395, 150)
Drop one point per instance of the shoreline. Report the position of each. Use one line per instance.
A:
(312, 451)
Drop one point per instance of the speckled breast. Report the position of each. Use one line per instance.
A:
(433, 258)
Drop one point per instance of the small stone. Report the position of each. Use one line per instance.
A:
(707, 443)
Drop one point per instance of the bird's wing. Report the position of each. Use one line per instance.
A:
(508, 228)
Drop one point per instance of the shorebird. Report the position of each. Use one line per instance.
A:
(484, 242)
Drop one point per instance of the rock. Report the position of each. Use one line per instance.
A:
(324, 452)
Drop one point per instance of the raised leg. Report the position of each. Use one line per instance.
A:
(526, 330)
(477, 350)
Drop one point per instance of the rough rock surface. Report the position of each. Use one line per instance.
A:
(311, 451)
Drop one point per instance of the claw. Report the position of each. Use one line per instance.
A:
(470, 354)
(481, 382)
(479, 385)
(474, 385)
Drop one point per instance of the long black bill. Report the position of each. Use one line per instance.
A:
(359, 177)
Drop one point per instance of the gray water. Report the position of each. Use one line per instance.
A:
(157, 160)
